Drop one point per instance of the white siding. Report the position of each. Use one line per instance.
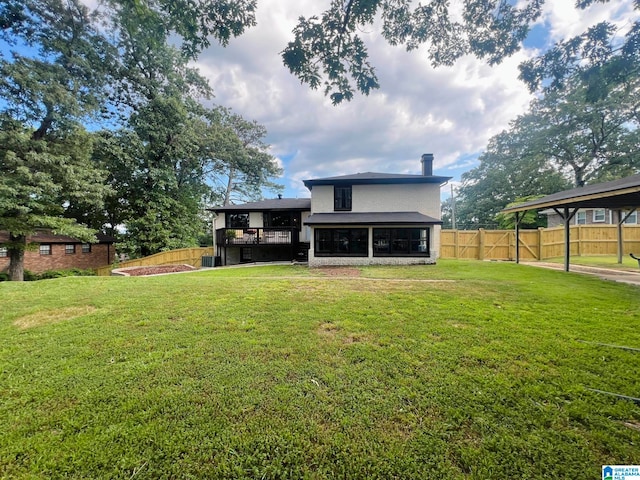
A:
(423, 198)
(255, 220)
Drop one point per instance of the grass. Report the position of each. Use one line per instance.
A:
(628, 263)
(460, 370)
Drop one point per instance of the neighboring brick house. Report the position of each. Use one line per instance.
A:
(591, 216)
(56, 252)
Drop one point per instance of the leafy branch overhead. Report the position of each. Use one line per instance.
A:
(329, 50)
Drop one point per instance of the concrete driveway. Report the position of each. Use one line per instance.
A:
(622, 276)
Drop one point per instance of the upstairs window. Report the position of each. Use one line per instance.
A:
(581, 218)
(69, 249)
(281, 219)
(237, 220)
(86, 248)
(4, 252)
(342, 198)
(45, 249)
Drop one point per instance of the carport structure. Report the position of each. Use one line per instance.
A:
(622, 195)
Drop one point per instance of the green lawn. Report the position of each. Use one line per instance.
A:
(608, 261)
(460, 370)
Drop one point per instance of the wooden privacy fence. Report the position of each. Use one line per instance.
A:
(537, 244)
(189, 256)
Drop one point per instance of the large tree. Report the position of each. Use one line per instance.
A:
(567, 138)
(41, 179)
(49, 85)
(242, 166)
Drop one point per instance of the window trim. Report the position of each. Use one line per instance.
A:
(342, 198)
(335, 249)
(229, 216)
(604, 215)
(580, 214)
(45, 249)
(86, 248)
(391, 236)
(69, 248)
(295, 219)
(4, 252)
(632, 219)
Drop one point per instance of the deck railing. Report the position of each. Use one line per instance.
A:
(257, 236)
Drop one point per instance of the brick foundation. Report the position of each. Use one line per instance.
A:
(356, 261)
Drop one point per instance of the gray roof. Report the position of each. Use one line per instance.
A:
(372, 178)
(618, 194)
(45, 236)
(371, 218)
(264, 205)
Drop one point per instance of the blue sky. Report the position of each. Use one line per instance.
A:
(451, 112)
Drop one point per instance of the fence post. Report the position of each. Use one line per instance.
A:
(481, 244)
(540, 229)
(456, 244)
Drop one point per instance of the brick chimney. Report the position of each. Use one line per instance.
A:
(427, 164)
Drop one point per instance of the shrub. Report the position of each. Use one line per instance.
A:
(70, 272)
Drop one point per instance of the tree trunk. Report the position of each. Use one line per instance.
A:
(227, 193)
(16, 257)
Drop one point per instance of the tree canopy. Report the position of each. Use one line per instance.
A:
(123, 66)
(329, 50)
(566, 138)
(104, 100)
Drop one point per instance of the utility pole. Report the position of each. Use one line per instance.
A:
(453, 209)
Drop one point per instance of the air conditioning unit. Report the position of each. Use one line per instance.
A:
(207, 261)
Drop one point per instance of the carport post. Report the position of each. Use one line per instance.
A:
(620, 242)
(567, 241)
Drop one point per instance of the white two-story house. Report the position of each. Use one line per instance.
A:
(361, 219)
(375, 218)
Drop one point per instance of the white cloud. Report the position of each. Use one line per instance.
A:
(451, 112)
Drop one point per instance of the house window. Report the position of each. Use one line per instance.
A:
(4, 252)
(631, 219)
(581, 218)
(45, 249)
(342, 198)
(86, 248)
(341, 242)
(598, 215)
(281, 219)
(69, 249)
(237, 220)
(389, 242)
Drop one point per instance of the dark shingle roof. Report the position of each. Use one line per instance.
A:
(371, 218)
(48, 237)
(272, 204)
(621, 193)
(372, 178)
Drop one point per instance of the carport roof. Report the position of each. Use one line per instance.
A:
(618, 194)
